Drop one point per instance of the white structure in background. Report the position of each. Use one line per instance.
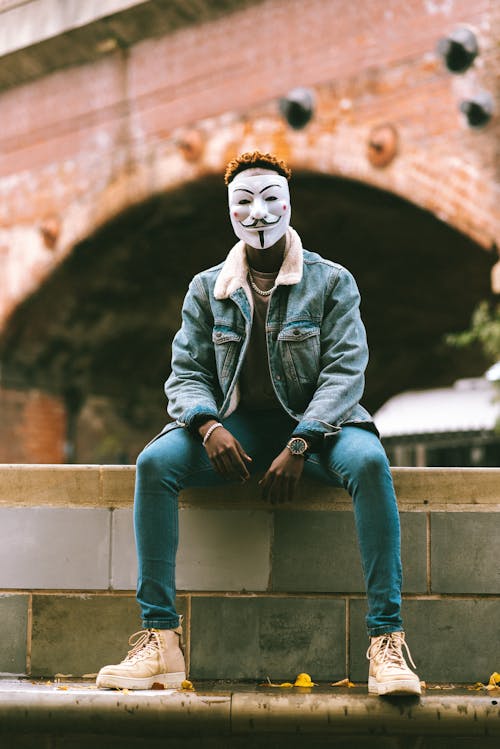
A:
(454, 426)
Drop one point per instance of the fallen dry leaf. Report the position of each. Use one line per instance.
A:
(187, 686)
(64, 689)
(343, 683)
(157, 685)
(269, 683)
(493, 685)
(304, 680)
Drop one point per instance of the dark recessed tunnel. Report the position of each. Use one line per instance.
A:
(103, 322)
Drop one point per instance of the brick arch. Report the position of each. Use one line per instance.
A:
(444, 181)
(341, 205)
(441, 179)
(94, 312)
(448, 185)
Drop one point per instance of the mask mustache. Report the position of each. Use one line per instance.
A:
(260, 221)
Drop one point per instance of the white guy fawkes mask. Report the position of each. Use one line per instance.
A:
(259, 206)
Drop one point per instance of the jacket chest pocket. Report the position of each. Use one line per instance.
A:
(227, 345)
(299, 345)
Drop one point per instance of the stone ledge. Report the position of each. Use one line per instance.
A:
(113, 486)
(243, 710)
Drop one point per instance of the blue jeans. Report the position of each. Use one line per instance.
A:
(353, 459)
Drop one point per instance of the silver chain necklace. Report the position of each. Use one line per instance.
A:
(256, 288)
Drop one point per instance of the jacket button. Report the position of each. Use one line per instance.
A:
(218, 335)
(296, 332)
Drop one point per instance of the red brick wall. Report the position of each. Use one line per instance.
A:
(33, 430)
(32, 427)
(81, 144)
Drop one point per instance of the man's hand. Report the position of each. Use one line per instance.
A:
(225, 453)
(281, 479)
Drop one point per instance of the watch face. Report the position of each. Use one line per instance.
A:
(297, 446)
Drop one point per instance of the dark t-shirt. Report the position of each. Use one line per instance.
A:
(256, 388)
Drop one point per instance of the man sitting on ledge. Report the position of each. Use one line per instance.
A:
(267, 375)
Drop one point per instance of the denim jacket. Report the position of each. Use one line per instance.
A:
(317, 349)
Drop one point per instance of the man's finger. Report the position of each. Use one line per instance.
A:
(239, 467)
(226, 465)
(236, 467)
(243, 453)
(218, 468)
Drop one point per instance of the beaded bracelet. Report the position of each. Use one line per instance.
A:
(210, 430)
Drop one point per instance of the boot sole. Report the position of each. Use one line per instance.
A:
(410, 686)
(169, 681)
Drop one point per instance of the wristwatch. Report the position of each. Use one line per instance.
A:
(298, 446)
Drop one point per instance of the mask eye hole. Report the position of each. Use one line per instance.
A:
(243, 201)
(271, 198)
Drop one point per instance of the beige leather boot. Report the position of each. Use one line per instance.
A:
(389, 672)
(156, 657)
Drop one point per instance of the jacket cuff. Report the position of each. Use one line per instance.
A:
(194, 417)
(314, 429)
(314, 432)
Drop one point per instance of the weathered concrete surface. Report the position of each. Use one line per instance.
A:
(243, 710)
(113, 486)
(83, 709)
(263, 593)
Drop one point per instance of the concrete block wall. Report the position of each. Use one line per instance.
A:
(264, 591)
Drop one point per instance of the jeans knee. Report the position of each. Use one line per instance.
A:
(148, 463)
(370, 464)
(375, 461)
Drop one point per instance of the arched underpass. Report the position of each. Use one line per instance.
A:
(101, 325)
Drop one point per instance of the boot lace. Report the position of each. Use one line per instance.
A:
(146, 643)
(389, 649)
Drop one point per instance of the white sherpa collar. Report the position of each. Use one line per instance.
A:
(234, 272)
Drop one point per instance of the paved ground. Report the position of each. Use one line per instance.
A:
(66, 714)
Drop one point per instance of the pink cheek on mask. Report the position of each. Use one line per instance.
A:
(236, 214)
(284, 207)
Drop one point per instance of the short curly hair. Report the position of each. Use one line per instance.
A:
(256, 159)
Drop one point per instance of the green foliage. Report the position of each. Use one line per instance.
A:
(484, 330)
